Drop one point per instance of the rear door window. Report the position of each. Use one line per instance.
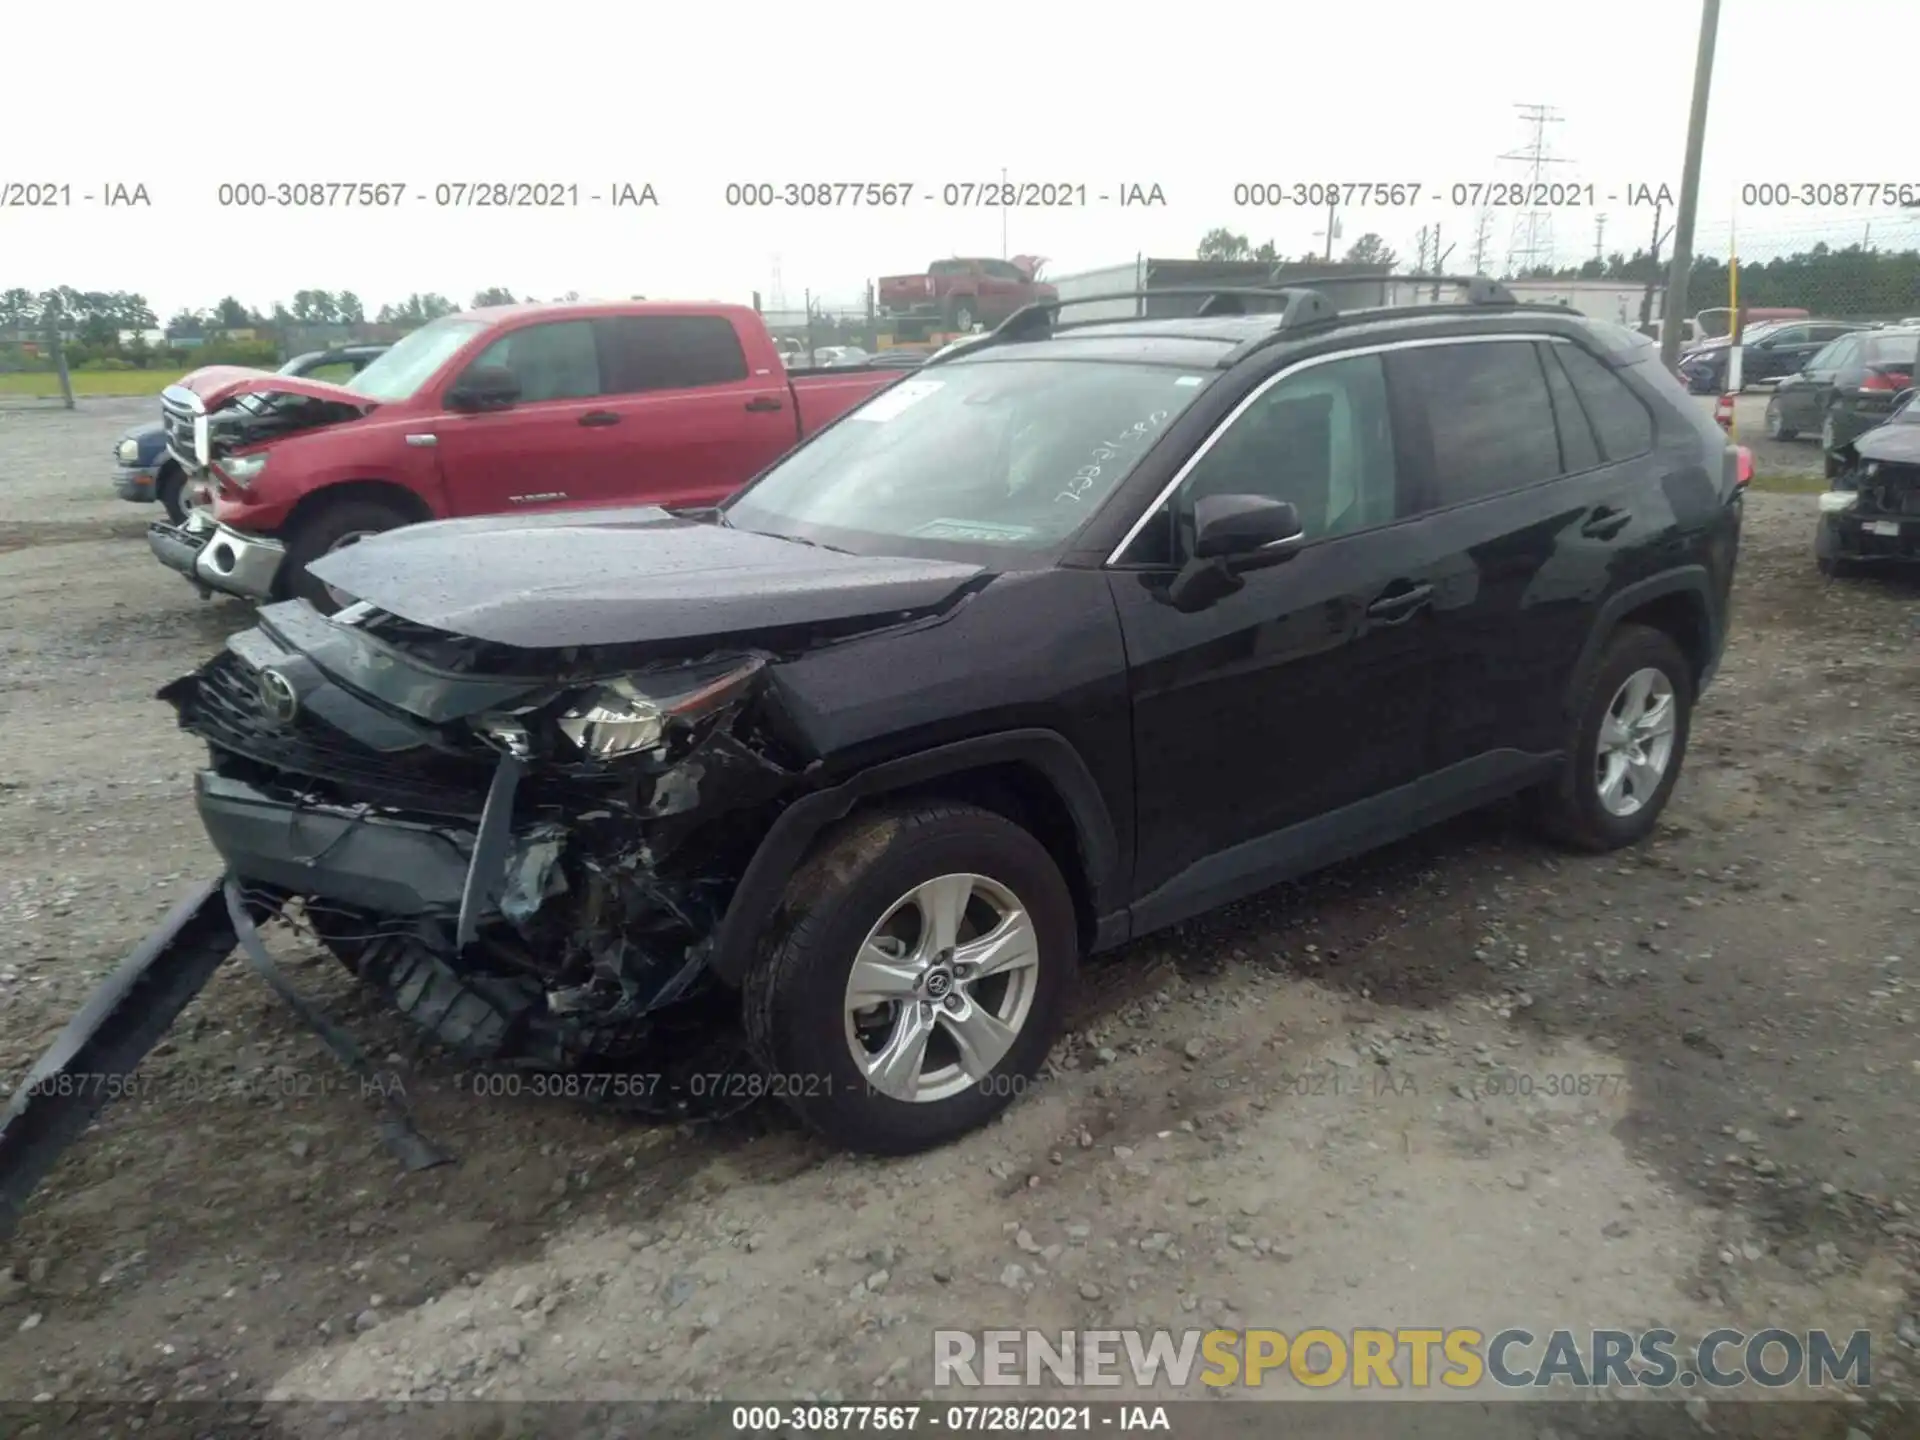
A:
(555, 361)
(1487, 414)
(669, 352)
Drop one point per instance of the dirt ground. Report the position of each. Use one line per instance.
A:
(1332, 1105)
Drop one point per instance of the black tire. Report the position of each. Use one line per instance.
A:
(1569, 807)
(319, 533)
(795, 994)
(1826, 552)
(169, 488)
(1777, 428)
(963, 315)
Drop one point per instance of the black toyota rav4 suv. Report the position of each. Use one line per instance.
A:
(1075, 632)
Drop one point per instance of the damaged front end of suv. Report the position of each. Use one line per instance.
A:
(1871, 511)
(527, 852)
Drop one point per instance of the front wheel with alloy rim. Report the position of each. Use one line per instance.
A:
(917, 974)
(1627, 736)
(343, 523)
(1777, 427)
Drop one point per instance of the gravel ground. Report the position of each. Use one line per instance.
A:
(1329, 1105)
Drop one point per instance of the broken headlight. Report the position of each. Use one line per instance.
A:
(1832, 502)
(241, 469)
(633, 714)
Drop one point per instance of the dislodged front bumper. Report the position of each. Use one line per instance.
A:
(372, 862)
(218, 557)
(1850, 535)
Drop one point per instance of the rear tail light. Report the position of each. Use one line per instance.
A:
(1878, 381)
(1723, 412)
(1743, 473)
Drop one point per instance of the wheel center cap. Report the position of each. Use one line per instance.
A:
(939, 983)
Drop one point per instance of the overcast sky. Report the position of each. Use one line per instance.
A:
(689, 98)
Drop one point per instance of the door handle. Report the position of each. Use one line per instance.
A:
(764, 402)
(600, 417)
(1605, 522)
(1400, 605)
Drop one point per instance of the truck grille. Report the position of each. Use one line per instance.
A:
(224, 707)
(178, 411)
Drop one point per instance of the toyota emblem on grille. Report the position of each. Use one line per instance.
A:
(277, 694)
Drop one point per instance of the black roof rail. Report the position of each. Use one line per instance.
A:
(1294, 301)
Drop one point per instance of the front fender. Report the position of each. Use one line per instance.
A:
(1046, 753)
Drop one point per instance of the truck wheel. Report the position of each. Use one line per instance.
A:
(331, 528)
(1626, 740)
(963, 315)
(169, 488)
(917, 973)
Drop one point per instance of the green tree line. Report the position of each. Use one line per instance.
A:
(1846, 282)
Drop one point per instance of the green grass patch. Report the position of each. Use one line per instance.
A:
(34, 385)
(1789, 484)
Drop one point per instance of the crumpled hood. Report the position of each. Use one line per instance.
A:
(215, 385)
(1897, 442)
(627, 576)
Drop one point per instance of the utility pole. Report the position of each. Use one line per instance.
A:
(1333, 227)
(1659, 239)
(1600, 238)
(56, 313)
(1480, 225)
(1689, 187)
(1536, 225)
(1420, 265)
(1439, 264)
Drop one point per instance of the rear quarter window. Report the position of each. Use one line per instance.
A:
(1621, 422)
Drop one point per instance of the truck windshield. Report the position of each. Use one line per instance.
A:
(1015, 454)
(415, 360)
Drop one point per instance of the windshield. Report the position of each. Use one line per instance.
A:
(397, 374)
(1006, 454)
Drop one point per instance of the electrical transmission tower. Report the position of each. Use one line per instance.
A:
(1531, 240)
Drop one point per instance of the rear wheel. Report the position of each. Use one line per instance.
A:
(916, 976)
(1777, 427)
(1829, 443)
(963, 315)
(343, 523)
(1626, 740)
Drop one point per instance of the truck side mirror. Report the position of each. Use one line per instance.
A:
(485, 387)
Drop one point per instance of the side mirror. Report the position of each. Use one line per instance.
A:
(1245, 531)
(1233, 534)
(488, 387)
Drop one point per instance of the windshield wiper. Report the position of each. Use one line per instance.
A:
(799, 540)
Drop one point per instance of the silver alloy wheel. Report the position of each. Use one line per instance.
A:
(941, 988)
(352, 537)
(1826, 431)
(1636, 742)
(1773, 419)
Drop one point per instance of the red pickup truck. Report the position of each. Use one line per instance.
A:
(963, 292)
(519, 407)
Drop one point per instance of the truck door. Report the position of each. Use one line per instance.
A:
(696, 422)
(556, 446)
